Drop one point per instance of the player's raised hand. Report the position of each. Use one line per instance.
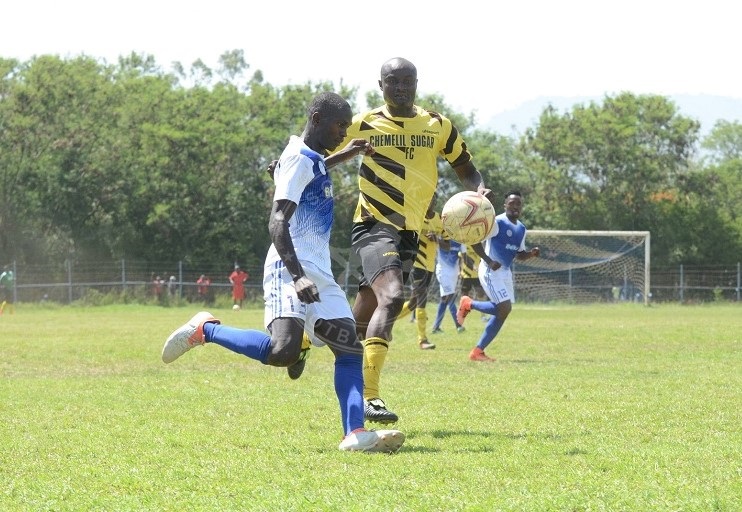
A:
(481, 189)
(272, 168)
(351, 149)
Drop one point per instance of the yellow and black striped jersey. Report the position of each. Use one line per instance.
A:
(397, 182)
(427, 248)
(469, 263)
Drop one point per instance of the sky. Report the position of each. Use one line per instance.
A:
(484, 57)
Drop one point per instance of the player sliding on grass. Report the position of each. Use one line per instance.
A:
(299, 288)
(495, 274)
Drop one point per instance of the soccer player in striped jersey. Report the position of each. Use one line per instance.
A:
(470, 285)
(423, 271)
(396, 185)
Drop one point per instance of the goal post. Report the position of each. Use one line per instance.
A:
(585, 266)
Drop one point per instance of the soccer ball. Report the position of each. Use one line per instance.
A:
(468, 218)
(236, 307)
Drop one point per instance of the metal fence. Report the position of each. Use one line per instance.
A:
(131, 281)
(689, 284)
(134, 281)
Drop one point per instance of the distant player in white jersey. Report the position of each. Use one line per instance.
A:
(495, 274)
(447, 272)
(299, 289)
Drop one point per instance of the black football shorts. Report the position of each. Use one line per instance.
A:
(381, 247)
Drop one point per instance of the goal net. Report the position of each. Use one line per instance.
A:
(585, 266)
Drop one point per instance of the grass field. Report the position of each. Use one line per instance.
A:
(604, 408)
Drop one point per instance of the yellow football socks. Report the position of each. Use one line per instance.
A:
(405, 310)
(374, 355)
(305, 342)
(422, 324)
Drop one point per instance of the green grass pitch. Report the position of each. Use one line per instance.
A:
(588, 408)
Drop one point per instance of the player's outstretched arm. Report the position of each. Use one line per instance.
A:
(471, 179)
(353, 148)
(527, 255)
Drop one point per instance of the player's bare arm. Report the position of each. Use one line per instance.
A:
(471, 179)
(491, 264)
(278, 227)
(527, 255)
(353, 148)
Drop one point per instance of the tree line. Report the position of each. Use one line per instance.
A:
(127, 160)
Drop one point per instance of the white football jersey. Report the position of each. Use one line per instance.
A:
(301, 177)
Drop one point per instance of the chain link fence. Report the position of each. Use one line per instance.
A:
(172, 282)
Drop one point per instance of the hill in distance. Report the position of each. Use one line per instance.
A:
(707, 109)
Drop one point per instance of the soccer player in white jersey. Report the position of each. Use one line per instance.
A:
(447, 272)
(507, 243)
(299, 289)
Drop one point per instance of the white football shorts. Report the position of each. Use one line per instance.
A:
(498, 284)
(448, 278)
(281, 300)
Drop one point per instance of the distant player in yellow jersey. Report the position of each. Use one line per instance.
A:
(396, 186)
(470, 285)
(423, 271)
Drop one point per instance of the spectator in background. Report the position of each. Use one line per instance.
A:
(172, 285)
(616, 293)
(7, 286)
(238, 278)
(157, 284)
(203, 287)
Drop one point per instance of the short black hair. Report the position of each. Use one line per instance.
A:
(326, 102)
(513, 193)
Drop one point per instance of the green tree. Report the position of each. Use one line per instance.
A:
(722, 175)
(56, 126)
(129, 161)
(619, 165)
(504, 167)
(605, 162)
(724, 143)
(16, 209)
(124, 161)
